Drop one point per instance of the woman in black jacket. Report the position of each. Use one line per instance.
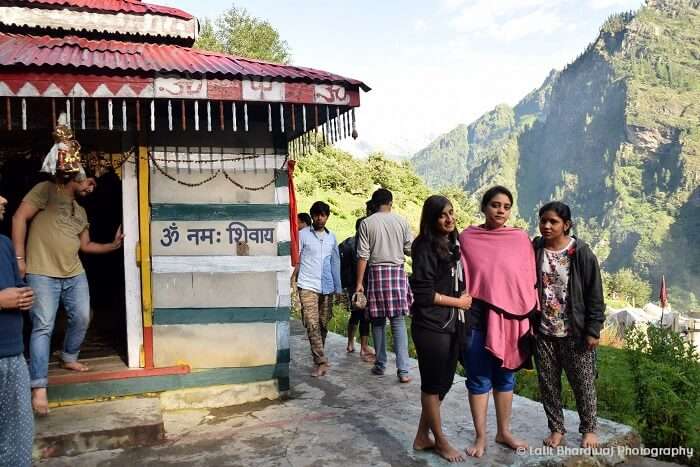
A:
(439, 298)
(567, 331)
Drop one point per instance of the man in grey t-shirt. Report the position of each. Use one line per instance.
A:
(383, 240)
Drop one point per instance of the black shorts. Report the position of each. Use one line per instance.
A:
(437, 359)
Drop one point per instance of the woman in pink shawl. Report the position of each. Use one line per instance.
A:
(500, 277)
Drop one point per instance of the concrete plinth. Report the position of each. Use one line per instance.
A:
(126, 423)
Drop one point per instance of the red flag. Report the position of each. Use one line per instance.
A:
(293, 223)
(663, 293)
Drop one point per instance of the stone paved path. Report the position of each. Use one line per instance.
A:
(348, 418)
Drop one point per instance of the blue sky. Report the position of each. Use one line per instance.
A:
(432, 64)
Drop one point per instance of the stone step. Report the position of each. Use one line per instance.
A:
(77, 429)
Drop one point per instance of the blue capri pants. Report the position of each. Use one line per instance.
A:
(484, 371)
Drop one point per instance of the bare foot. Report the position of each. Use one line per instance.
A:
(423, 442)
(478, 448)
(40, 403)
(509, 440)
(553, 440)
(367, 357)
(447, 452)
(320, 370)
(74, 366)
(590, 440)
(367, 350)
(350, 347)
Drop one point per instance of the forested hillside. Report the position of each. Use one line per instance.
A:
(334, 176)
(616, 134)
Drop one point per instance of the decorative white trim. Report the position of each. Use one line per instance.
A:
(208, 116)
(331, 94)
(303, 116)
(196, 115)
(269, 118)
(110, 114)
(51, 91)
(119, 23)
(28, 90)
(187, 264)
(78, 91)
(259, 90)
(82, 114)
(101, 91)
(24, 113)
(153, 115)
(282, 117)
(187, 156)
(180, 88)
(126, 91)
(245, 115)
(124, 115)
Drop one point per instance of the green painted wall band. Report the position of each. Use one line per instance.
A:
(283, 356)
(165, 316)
(282, 178)
(219, 212)
(283, 384)
(284, 248)
(198, 378)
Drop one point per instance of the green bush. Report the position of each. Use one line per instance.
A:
(666, 380)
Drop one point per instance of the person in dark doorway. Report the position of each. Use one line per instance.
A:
(440, 299)
(318, 278)
(105, 273)
(303, 221)
(567, 330)
(383, 240)
(16, 421)
(59, 230)
(500, 272)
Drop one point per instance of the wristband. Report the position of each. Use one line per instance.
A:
(20, 258)
(439, 298)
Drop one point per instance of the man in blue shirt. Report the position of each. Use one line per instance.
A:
(16, 420)
(318, 278)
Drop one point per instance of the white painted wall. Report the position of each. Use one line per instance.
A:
(132, 273)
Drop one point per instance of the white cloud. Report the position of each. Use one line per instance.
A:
(420, 25)
(534, 23)
(603, 4)
(508, 19)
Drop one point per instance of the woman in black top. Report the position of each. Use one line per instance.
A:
(439, 298)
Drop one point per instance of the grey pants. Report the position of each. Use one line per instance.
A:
(551, 356)
(16, 419)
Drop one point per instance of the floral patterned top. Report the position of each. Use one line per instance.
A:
(555, 281)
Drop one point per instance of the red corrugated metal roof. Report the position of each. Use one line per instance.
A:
(78, 53)
(116, 6)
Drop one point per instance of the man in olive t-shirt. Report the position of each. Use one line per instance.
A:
(58, 231)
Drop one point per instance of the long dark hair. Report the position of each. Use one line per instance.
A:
(562, 211)
(443, 245)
